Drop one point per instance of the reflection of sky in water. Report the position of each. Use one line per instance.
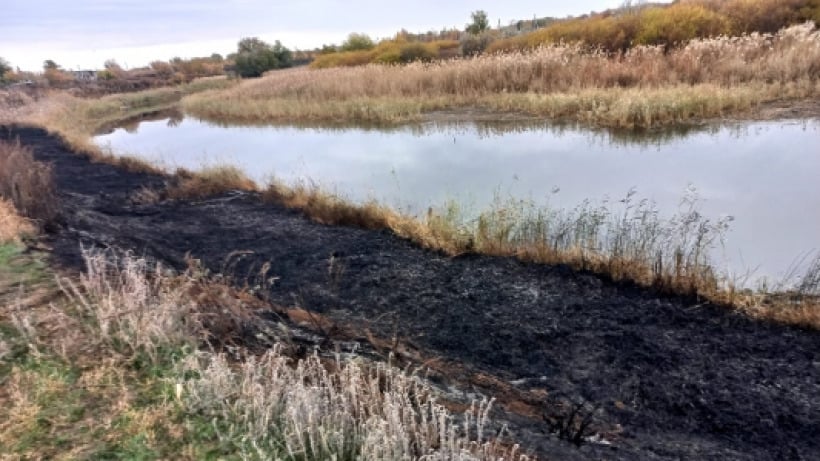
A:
(763, 174)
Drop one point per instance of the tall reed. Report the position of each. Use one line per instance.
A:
(706, 78)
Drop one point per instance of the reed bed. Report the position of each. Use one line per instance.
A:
(705, 78)
(76, 119)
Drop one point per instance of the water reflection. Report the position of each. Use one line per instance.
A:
(763, 174)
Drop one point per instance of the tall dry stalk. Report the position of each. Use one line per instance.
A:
(554, 81)
(27, 183)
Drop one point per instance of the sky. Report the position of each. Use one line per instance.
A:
(83, 34)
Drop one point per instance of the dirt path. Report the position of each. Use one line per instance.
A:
(670, 379)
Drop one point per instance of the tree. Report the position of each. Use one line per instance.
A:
(357, 42)
(48, 64)
(256, 57)
(480, 22)
(54, 73)
(4, 68)
(252, 45)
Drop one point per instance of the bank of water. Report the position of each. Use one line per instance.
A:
(765, 175)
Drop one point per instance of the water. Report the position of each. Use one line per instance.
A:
(764, 174)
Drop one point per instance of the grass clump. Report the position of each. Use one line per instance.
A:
(209, 182)
(13, 227)
(27, 184)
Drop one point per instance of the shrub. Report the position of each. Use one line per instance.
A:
(417, 52)
(766, 16)
(357, 42)
(679, 24)
(473, 45)
(256, 57)
(4, 68)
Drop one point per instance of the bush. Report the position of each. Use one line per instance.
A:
(357, 42)
(677, 23)
(680, 23)
(256, 57)
(417, 52)
(473, 45)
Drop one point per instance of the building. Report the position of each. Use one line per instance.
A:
(84, 75)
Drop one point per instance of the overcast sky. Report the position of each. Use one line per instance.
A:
(85, 33)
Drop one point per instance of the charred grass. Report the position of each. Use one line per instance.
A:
(625, 241)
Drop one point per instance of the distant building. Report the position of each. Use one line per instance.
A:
(85, 75)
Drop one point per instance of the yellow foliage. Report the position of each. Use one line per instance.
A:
(677, 23)
(680, 23)
(394, 51)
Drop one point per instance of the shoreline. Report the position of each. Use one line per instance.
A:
(590, 338)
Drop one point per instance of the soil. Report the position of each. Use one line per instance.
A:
(659, 377)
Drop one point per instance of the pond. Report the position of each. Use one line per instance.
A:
(763, 174)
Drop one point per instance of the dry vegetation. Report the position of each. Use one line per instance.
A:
(76, 119)
(27, 184)
(112, 368)
(12, 226)
(395, 51)
(668, 26)
(643, 87)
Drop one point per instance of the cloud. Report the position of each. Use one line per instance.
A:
(35, 30)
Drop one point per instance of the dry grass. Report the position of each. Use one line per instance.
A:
(645, 86)
(27, 184)
(209, 182)
(76, 120)
(12, 226)
(111, 370)
(365, 412)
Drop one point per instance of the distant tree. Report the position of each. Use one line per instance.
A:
(357, 42)
(480, 22)
(48, 64)
(5, 67)
(54, 73)
(217, 57)
(255, 57)
(251, 45)
(328, 49)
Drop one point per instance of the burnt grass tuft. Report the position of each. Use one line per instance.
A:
(676, 378)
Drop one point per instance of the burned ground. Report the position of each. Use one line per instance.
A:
(667, 377)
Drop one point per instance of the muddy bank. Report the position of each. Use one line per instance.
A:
(663, 378)
(798, 109)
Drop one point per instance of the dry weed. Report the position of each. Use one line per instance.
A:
(209, 182)
(12, 225)
(27, 183)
